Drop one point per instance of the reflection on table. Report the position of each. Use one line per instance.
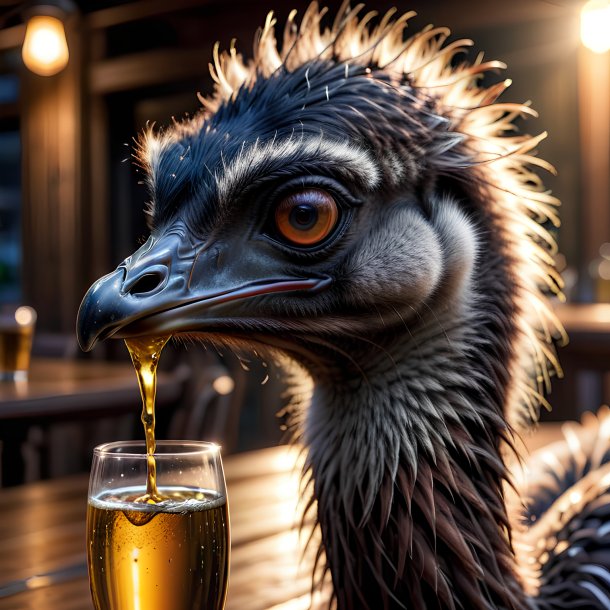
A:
(62, 390)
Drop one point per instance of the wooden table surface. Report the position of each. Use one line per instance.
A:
(585, 360)
(63, 388)
(60, 390)
(42, 537)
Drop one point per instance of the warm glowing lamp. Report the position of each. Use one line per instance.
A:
(45, 48)
(223, 385)
(595, 25)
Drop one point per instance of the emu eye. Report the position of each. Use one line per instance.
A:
(306, 217)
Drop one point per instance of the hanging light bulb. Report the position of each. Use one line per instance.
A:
(595, 25)
(45, 48)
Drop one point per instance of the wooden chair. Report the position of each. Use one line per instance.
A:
(212, 403)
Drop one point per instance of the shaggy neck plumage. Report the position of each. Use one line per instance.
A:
(406, 458)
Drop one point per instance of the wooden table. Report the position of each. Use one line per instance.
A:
(585, 360)
(60, 388)
(70, 390)
(42, 537)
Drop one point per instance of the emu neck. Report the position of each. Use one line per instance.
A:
(408, 473)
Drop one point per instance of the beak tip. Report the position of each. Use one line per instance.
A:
(86, 343)
(98, 310)
(85, 334)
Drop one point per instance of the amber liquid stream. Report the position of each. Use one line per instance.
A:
(145, 353)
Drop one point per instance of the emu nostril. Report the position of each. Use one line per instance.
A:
(147, 283)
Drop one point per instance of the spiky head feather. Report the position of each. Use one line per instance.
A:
(476, 138)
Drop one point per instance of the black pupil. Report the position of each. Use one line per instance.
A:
(303, 217)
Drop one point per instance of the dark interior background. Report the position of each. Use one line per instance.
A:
(133, 62)
(70, 198)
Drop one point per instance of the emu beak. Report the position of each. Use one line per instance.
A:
(174, 284)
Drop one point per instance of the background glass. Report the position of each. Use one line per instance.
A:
(16, 335)
(172, 554)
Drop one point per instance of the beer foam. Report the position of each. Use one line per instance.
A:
(123, 499)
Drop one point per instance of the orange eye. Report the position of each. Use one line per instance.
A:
(306, 217)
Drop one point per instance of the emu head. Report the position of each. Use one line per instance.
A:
(335, 194)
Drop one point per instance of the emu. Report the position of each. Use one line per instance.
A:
(358, 201)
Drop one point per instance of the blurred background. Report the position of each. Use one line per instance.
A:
(71, 202)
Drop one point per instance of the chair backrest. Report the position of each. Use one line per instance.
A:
(55, 345)
(212, 403)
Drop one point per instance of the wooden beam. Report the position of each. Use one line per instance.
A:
(480, 13)
(594, 94)
(98, 205)
(12, 37)
(154, 67)
(142, 9)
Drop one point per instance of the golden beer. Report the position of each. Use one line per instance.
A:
(145, 353)
(172, 555)
(15, 347)
(16, 333)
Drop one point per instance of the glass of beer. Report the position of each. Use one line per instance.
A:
(171, 553)
(16, 334)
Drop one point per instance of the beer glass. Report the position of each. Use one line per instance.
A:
(16, 333)
(169, 554)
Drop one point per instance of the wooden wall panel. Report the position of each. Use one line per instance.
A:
(53, 208)
(594, 111)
